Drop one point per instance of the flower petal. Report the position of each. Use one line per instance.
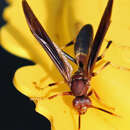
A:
(111, 84)
(16, 36)
(25, 77)
(83, 12)
(59, 107)
(63, 116)
(113, 87)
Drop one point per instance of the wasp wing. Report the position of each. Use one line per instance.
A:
(51, 49)
(102, 29)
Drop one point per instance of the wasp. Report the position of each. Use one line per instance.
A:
(86, 49)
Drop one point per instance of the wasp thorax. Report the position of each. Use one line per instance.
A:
(81, 104)
(79, 85)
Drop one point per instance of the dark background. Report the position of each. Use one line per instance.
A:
(17, 112)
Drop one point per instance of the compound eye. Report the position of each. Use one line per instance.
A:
(82, 102)
(79, 105)
(76, 103)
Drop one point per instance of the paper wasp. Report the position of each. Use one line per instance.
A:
(86, 55)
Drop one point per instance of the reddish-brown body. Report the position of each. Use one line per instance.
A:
(79, 87)
(79, 84)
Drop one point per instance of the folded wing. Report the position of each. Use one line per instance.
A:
(51, 49)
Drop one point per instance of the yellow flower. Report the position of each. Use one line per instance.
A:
(62, 20)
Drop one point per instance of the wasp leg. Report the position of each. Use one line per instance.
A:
(99, 99)
(40, 84)
(113, 65)
(104, 66)
(79, 122)
(51, 97)
(120, 67)
(111, 113)
(101, 102)
(68, 44)
(60, 94)
(90, 93)
(78, 27)
(56, 83)
(103, 54)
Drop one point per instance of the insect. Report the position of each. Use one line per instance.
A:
(86, 52)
